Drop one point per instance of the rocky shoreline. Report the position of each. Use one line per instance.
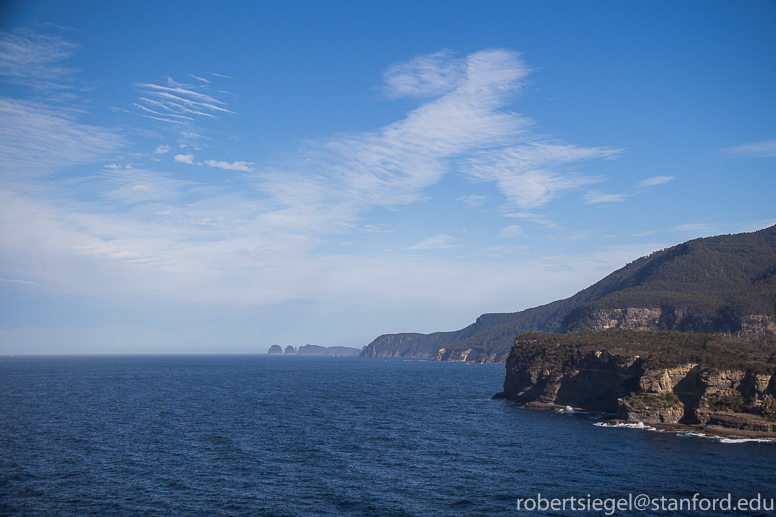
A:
(706, 430)
(684, 382)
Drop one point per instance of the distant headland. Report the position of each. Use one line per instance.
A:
(331, 351)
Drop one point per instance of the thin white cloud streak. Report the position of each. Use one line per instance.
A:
(36, 139)
(510, 231)
(199, 78)
(234, 166)
(535, 218)
(178, 101)
(601, 197)
(437, 242)
(30, 59)
(472, 201)
(205, 99)
(147, 110)
(656, 180)
(20, 282)
(162, 149)
(764, 149)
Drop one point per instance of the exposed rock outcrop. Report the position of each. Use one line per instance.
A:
(669, 318)
(275, 350)
(648, 381)
(290, 350)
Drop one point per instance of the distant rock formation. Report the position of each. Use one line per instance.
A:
(332, 351)
(312, 350)
(290, 350)
(717, 284)
(275, 350)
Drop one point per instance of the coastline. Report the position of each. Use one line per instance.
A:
(701, 430)
(708, 431)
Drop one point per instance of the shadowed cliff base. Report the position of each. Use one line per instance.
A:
(658, 377)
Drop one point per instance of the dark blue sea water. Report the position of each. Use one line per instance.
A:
(287, 436)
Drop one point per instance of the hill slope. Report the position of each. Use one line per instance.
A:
(716, 284)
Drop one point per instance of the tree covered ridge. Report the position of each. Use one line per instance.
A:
(658, 349)
(707, 284)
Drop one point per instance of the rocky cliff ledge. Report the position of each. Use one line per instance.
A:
(666, 318)
(649, 377)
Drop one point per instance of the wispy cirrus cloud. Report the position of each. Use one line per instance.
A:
(21, 282)
(177, 103)
(513, 230)
(595, 197)
(437, 242)
(180, 236)
(429, 75)
(533, 174)
(535, 218)
(33, 59)
(472, 201)
(464, 129)
(655, 180)
(764, 149)
(37, 139)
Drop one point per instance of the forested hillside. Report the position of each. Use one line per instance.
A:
(716, 284)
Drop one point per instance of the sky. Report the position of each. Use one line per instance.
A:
(219, 177)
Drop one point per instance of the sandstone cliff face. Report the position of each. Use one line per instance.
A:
(622, 383)
(630, 318)
(470, 355)
(758, 325)
(593, 381)
(656, 318)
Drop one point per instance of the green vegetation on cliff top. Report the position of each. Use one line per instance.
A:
(660, 349)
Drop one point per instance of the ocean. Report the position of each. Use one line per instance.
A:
(299, 436)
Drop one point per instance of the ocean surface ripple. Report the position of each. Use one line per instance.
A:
(298, 436)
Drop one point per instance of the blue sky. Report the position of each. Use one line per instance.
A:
(202, 177)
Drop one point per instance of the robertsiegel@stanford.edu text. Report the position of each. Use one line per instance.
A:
(643, 502)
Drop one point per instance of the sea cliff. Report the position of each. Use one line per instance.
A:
(649, 377)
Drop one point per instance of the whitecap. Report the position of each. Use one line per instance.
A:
(634, 425)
